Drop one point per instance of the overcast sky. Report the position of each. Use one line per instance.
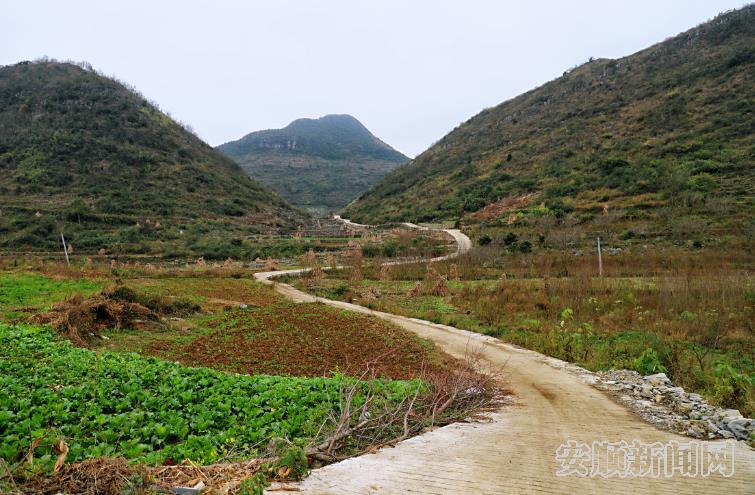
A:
(409, 70)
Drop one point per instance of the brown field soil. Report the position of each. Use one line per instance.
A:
(210, 292)
(243, 326)
(272, 336)
(302, 340)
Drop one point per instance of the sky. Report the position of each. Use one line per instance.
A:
(410, 71)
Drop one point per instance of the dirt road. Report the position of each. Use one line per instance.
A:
(516, 451)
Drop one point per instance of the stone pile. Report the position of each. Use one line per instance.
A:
(658, 401)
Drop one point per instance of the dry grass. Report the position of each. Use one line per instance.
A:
(98, 476)
(487, 263)
(83, 319)
(674, 306)
(117, 476)
(694, 308)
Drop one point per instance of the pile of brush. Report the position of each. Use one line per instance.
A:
(83, 319)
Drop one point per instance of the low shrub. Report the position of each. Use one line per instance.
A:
(648, 363)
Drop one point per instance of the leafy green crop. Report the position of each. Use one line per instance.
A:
(109, 404)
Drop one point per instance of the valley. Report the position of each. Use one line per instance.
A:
(556, 296)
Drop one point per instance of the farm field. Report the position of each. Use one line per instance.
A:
(218, 382)
(246, 327)
(690, 319)
(145, 409)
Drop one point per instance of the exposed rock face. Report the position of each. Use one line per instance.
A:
(658, 401)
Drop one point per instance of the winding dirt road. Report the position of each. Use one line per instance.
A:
(515, 452)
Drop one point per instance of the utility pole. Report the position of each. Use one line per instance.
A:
(65, 248)
(600, 259)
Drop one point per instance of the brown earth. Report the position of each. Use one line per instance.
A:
(305, 340)
(215, 291)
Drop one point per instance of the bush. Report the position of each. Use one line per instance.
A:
(217, 249)
(390, 249)
(649, 363)
(484, 240)
(254, 485)
(703, 183)
(732, 388)
(370, 250)
(340, 289)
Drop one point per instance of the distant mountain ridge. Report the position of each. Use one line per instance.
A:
(664, 137)
(316, 163)
(81, 153)
(331, 136)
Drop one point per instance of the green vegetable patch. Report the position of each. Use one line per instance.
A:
(149, 410)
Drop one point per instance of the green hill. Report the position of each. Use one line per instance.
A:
(83, 154)
(319, 164)
(663, 138)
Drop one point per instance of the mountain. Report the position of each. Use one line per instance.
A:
(665, 136)
(85, 155)
(318, 164)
